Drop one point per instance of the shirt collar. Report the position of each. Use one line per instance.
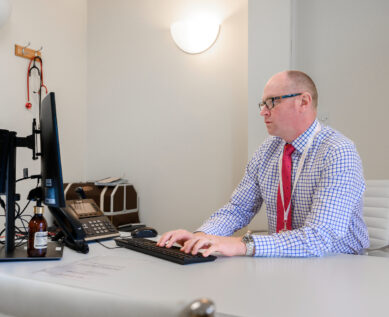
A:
(300, 143)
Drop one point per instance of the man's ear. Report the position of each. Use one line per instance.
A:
(306, 101)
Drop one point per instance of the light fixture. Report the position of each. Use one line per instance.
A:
(5, 11)
(195, 35)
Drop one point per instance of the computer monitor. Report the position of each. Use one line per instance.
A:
(51, 172)
(52, 184)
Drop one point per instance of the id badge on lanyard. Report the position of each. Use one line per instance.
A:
(299, 169)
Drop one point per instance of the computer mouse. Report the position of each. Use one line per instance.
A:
(145, 232)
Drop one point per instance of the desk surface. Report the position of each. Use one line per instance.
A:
(120, 282)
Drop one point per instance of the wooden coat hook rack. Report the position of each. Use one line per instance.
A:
(24, 51)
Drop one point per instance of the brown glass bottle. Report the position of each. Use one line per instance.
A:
(37, 234)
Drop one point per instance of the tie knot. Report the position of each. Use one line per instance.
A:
(289, 149)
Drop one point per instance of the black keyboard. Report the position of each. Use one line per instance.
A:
(172, 254)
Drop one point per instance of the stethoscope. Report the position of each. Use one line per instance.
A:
(41, 84)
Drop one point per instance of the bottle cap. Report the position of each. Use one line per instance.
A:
(38, 210)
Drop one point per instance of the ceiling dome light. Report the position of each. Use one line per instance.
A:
(196, 35)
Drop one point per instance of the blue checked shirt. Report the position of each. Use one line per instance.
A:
(327, 200)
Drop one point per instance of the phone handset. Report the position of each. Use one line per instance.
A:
(71, 230)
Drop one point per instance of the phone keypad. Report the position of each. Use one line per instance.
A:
(98, 228)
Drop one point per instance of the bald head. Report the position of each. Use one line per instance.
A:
(296, 111)
(302, 82)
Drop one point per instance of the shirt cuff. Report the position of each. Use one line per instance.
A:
(265, 246)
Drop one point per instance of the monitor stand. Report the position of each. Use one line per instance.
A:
(9, 252)
(54, 252)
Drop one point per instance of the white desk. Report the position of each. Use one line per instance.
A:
(342, 285)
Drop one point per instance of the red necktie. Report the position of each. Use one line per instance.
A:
(287, 185)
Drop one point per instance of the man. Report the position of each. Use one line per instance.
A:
(309, 177)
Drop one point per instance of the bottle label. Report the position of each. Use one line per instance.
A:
(40, 240)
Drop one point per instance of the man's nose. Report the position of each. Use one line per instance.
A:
(264, 112)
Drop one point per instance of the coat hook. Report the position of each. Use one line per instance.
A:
(29, 43)
(36, 53)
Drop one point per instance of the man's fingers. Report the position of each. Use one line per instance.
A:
(169, 243)
(165, 237)
(169, 238)
(188, 245)
(201, 243)
(192, 243)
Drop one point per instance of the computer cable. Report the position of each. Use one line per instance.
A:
(22, 235)
(21, 232)
(98, 241)
(29, 177)
(2, 203)
(20, 217)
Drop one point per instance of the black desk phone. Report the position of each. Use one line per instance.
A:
(82, 220)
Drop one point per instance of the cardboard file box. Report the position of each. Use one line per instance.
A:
(119, 203)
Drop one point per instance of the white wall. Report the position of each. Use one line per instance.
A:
(269, 52)
(60, 27)
(344, 46)
(175, 124)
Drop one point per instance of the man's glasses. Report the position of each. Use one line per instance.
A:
(269, 102)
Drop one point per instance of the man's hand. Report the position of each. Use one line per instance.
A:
(193, 242)
(228, 246)
(176, 236)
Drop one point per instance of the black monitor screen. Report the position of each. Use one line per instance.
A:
(4, 149)
(52, 185)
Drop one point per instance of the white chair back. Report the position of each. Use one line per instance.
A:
(376, 212)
